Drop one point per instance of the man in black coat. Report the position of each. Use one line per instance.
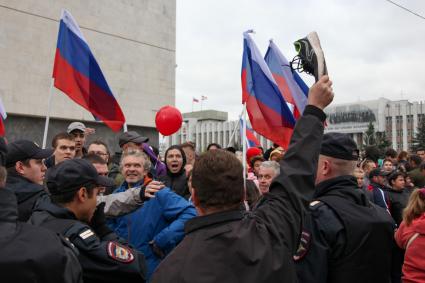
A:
(25, 257)
(346, 238)
(226, 244)
(26, 170)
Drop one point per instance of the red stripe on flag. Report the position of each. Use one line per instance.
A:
(266, 125)
(245, 92)
(2, 128)
(87, 94)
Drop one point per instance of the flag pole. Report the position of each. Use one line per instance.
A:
(244, 144)
(49, 105)
(234, 130)
(192, 104)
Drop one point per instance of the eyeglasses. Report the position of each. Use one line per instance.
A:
(267, 177)
(98, 153)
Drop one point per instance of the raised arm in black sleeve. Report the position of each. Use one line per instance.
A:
(282, 208)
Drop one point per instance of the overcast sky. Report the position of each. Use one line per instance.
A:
(372, 48)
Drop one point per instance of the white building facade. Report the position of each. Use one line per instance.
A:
(133, 41)
(397, 119)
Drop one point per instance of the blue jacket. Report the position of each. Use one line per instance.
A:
(160, 219)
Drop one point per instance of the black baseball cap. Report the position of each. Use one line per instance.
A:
(3, 151)
(340, 146)
(24, 149)
(71, 175)
(131, 136)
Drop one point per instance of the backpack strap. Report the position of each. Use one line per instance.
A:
(411, 240)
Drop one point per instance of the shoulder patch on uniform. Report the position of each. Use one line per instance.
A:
(314, 203)
(119, 252)
(303, 247)
(86, 234)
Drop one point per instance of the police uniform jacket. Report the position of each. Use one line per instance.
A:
(237, 246)
(32, 254)
(104, 259)
(346, 238)
(28, 194)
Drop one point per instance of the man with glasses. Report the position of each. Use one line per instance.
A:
(99, 148)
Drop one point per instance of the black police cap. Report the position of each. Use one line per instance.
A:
(24, 149)
(340, 146)
(71, 175)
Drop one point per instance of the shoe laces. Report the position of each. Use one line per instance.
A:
(298, 64)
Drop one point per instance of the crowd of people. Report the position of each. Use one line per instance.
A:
(318, 211)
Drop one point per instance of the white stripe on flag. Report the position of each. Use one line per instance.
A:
(71, 23)
(2, 110)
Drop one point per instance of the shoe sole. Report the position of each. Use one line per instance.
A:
(313, 38)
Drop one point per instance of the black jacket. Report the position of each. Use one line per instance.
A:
(177, 183)
(346, 237)
(105, 259)
(236, 246)
(397, 201)
(28, 194)
(32, 254)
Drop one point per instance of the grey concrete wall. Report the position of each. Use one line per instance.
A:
(32, 128)
(132, 40)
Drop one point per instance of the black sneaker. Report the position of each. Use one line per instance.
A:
(310, 56)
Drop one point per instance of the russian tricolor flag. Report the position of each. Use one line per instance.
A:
(78, 75)
(267, 109)
(3, 117)
(289, 87)
(251, 140)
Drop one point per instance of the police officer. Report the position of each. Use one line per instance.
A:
(346, 238)
(21, 244)
(74, 185)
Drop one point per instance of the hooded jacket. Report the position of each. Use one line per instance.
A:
(176, 181)
(414, 257)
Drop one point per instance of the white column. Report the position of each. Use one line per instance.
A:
(198, 136)
(393, 119)
(220, 134)
(415, 113)
(225, 126)
(404, 111)
(201, 149)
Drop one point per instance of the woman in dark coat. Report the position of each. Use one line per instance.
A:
(176, 179)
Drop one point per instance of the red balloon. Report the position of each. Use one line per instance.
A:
(168, 120)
